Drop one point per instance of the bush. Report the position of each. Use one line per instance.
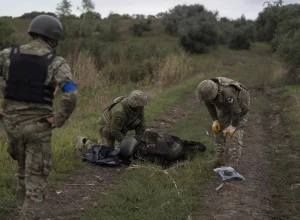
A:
(140, 26)
(6, 38)
(197, 34)
(239, 40)
(179, 13)
(288, 52)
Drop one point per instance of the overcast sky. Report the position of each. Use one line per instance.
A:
(227, 8)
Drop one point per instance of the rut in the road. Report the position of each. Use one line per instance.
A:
(68, 199)
(252, 198)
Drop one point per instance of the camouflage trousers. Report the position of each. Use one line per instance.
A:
(30, 145)
(105, 136)
(230, 147)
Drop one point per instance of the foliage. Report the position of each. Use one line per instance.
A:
(239, 40)
(33, 14)
(197, 34)
(64, 9)
(6, 38)
(179, 13)
(140, 26)
(90, 15)
(111, 32)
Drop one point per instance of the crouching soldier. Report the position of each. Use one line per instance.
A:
(232, 99)
(123, 115)
(158, 148)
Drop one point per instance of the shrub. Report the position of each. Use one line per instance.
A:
(140, 26)
(239, 40)
(6, 38)
(198, 33)
(172, 19)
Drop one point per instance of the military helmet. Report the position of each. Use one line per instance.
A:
(47, 26)
(207, 90)
(137, 98)
(128, 147)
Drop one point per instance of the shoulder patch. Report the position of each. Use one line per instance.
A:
(229, 100)
(119, 121)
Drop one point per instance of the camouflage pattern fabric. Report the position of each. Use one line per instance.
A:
(28, 132)
(123, 118)
(137, 98)
(230, 147)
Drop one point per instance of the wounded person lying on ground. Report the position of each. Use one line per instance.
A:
(162, 149)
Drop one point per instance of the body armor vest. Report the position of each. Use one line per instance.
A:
(26, 78)
(134, 118)
(222, 82)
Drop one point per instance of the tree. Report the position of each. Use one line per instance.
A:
(6, 39)
(140, 26)
(33, 14)
(197, 34)
(88, 5)
(172, 19)
(90, 15)
(63, 9)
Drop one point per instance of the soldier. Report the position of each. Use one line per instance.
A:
(232, 99)
(29, 75)
(123, 115)
(161, 148)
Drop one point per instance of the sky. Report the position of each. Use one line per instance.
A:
(227, 8)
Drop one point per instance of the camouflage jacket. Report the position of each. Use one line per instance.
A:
(58, 74)
(122, 118)
(233, 98)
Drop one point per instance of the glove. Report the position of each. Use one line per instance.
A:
(229, 130)
(216, 127)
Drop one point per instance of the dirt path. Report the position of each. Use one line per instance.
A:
(252, 198)
(249, 199)
(68, 200)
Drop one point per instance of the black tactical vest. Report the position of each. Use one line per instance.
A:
(26, 78)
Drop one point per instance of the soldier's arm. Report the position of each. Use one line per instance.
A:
(63, 78)
(140, 129)
(212, 110)
(117, 123)
(231, 101)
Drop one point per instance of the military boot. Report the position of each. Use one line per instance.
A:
(218, 161)
(80, 143)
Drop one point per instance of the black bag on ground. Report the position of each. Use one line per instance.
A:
(102, 155)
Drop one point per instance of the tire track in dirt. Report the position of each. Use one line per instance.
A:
(68, 199)
(252, 198)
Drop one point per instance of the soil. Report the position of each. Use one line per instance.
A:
(255, 197)
(68, 200)
(249, 199)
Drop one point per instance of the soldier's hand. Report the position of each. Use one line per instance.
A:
(230, 130)
(216, 127)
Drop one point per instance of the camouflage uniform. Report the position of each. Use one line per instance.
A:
(233, 101)
(28, 131)
(123, 115)
(159, 148)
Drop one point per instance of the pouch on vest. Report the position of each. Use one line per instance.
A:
(26, 78)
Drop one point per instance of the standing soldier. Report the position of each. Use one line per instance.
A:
(232, 99)
(123, 115)
(29, 75)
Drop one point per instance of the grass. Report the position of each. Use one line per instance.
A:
(286, 159)
(95, 97)
(149, 192)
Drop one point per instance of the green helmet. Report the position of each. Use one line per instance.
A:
(47, 26)
(207, 90)
(137, 98)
